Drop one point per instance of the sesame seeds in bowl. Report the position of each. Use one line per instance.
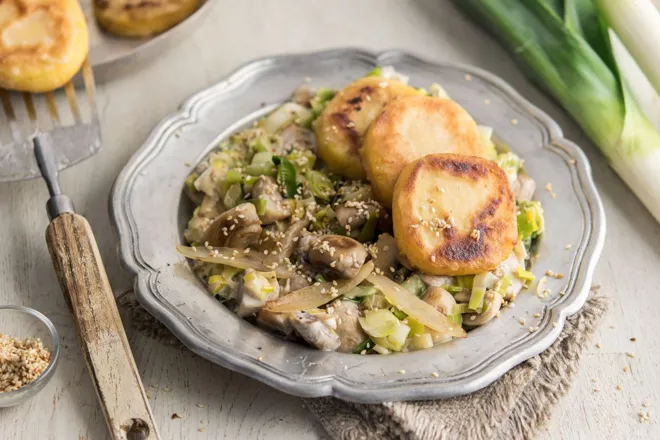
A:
(29, 349)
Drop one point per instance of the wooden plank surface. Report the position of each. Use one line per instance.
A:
(216, 403)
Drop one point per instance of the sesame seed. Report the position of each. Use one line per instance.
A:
(537, 315)
(598, 345)
(626, 369)
(401, 371)
(435, 374)
(486, 101)
(630, 354)
(619, 387)
(514, 121)
(568, 246)
(468, 77)
(548, 188)
(260, 358)
(572, 161)
(522, 321)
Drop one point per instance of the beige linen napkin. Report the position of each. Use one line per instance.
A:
(513, 408)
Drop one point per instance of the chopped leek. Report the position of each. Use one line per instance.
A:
(260, 284)
(320, 185)
(368, 231)
(285, 115)
(459, 309)
(465, 281)
(566, 48)
(395, 340)
(510, 163)
(456, 318)
(286, 175)
(415, 285)
(376, 71)
(481, 283)
(365, 346)
(452, 289)
(503, 284)
(421, 342)
(380, 349)
(190, 182)
(486, 134)
(398, 313)
(233, 196)
(233, 176)
(362, 291)
(416, 327)
(530, 219)
(303, 160)
(438, 91)
(376, 301)
(415, 307)
(378, 323)
(526, 276)
(259, 204)
(321, 99)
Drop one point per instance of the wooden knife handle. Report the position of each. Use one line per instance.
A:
(86, 288)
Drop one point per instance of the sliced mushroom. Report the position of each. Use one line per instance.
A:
(279, 322)
(314, 331)
(492, 303)
(439, 298)
(437, 281)
(295, 136)
(386, 254)
(302, 95)
(285, 242)
(237, 228)
(523, 187)
(355, 214)
(340, 255)
(251, 296)
(277, 208)
(295, 282)
(348, 327)
(203, 217)
(463, 296)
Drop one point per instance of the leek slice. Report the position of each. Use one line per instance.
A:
(415, 307)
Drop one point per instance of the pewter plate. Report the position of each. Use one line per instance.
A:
(149, 212)
(111, 56)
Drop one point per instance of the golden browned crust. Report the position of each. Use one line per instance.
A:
(42, 44)
(454, 214)
(412, 127)
(142, 18)
(341, 126)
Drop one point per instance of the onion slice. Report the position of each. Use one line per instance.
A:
(234, 258)
(415, 307)
(315, 296)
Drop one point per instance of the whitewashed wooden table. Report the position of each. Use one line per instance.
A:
(216, 403)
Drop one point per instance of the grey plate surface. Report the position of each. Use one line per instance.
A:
(149, 212)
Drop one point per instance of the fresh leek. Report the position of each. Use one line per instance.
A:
(286, 176)
(566, 48)
(415, 285)
(378, 323)
(320, 185)
(530, 219)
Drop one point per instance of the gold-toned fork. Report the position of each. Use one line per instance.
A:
(38, 128)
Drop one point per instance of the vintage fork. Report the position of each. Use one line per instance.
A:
(79, 267)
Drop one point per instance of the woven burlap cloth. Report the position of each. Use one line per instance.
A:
(514, 407)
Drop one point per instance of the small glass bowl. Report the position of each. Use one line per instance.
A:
(21, 323)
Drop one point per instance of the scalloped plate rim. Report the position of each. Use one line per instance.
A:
(334, 385)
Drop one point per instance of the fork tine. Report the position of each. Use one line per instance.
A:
(90, 86)
(73, 103)
(52, 108)
(11, 115)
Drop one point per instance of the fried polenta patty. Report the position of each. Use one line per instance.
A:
(412, 127)
(454, 214)
(142, 18)
(42, 43)
(343, 122)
